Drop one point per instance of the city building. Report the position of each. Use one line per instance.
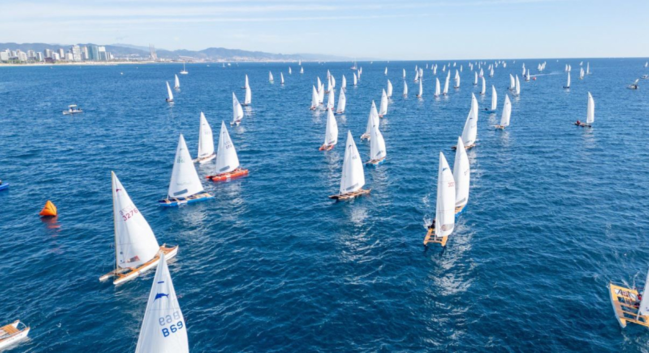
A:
(76, 53)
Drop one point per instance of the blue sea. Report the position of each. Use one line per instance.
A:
(555, 213)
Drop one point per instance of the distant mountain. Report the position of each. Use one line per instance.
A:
(127, 50)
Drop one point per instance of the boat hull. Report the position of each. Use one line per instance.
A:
(125, 275)
(431, 238)
(195, 198)
(239, 173)
(4, 186)
(623, 301)
(350, 195)
(14, 334)
(326, 148)
(205, 159)
(375, 163)
(459, 210)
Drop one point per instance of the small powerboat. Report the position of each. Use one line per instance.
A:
(72, 109)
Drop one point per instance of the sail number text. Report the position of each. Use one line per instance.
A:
(174, 321)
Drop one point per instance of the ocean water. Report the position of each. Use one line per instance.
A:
(273, 265)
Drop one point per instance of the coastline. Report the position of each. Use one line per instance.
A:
(80, 63)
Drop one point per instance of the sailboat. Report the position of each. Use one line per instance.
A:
(421, 88)
(405, 88)
(404, 74)
(527, 75)
(185, 186)
(629, 305)
(507, 112)
(512, 83)
(494, 101)
(372, 120)
(470, 131)
(270, 77)
(205, 142)
(491, 72)
(227, 162)
(462, 177)
(437, 89)
(475, 78)
(517, 88)
(448, 77)
(329, 85)
(343, 85)
(281, 78)
(290, 72)
(581, 73)
(330, 100)
(177, 82)
(315, 99)
(588, 68)
(377, 146)
(416, 76)
(457, 79)
(342, 102)
(355, 79)
(237, 111)
(383, 108)
(590, 113)
(483, 91)
(136, 248)
(481, 73)
(331, 132)
(170, 95)
(386, 71)
(444, 221)
(389, 91)
(301, 70)
(184, 72)
(353, 176)
(321, 93)
(163, 327)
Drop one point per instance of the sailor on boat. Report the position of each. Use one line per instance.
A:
(629, 305)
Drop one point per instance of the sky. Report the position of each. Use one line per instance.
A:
(377, 29)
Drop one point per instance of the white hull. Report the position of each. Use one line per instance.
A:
(205, 159)
(14, 339)
(135, 274)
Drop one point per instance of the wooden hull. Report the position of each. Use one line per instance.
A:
(623, 301)
(365, 137)
(465, 147)
(430, 238)
(375, 162)
(192, 199)
(326, 148)
(229, 176)
(350, 195)
(205, 159)
(12, 334)
(127, 274)
(459, 209)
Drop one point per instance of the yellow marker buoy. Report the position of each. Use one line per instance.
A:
(49, 210)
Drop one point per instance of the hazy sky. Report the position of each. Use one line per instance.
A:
(395, 29)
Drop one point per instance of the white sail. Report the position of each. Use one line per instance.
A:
(319, 82)
(483, 91)
(581, 73)
(445, 205)
(330, 100)
(184, 178)
(329, 85)
(281, 78)
(437, 89)
(389, 91)
(237, 111)
(461, 175)
(248, 98)
(470, 131)
(475, 79)
(383, 109)
(355, 79)
(507, 112)
(170, 95)
(372, 120)
(333, 82)
(457, 79)
(163, 327)
(344, 83)
(568, 83)
(421, 88)
(590, 111)
(386, 71)
(527, 75)
(416, 75)
(135, 243)
(205, 138)
(353, 176)
(301, 70)
(404, 74)
(331, 131)
(481, 73)
(643, 309)
(377, 144)
(247, 84)
(405, 88)
(321, 93)
(270, 76)
(517, 89)
(448, 77)
(588, 68)
(491, 72)
(177, 82)
(226, 156)
(512, 82)
(494, 98)
(290, 72)
(315, 98)
(342, 102)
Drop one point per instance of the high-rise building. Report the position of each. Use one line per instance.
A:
(22, 56)
(56, 56)
(76, 53)
(69, 57)
(62, 53)
(102, 54)
(48, 53)
(4, 55)
(31, 54)
(39, 56)
(93, 53)
(84, 53)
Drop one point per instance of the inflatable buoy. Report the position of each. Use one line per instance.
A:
(49, 210)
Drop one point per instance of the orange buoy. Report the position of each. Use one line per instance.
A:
(49, 210)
